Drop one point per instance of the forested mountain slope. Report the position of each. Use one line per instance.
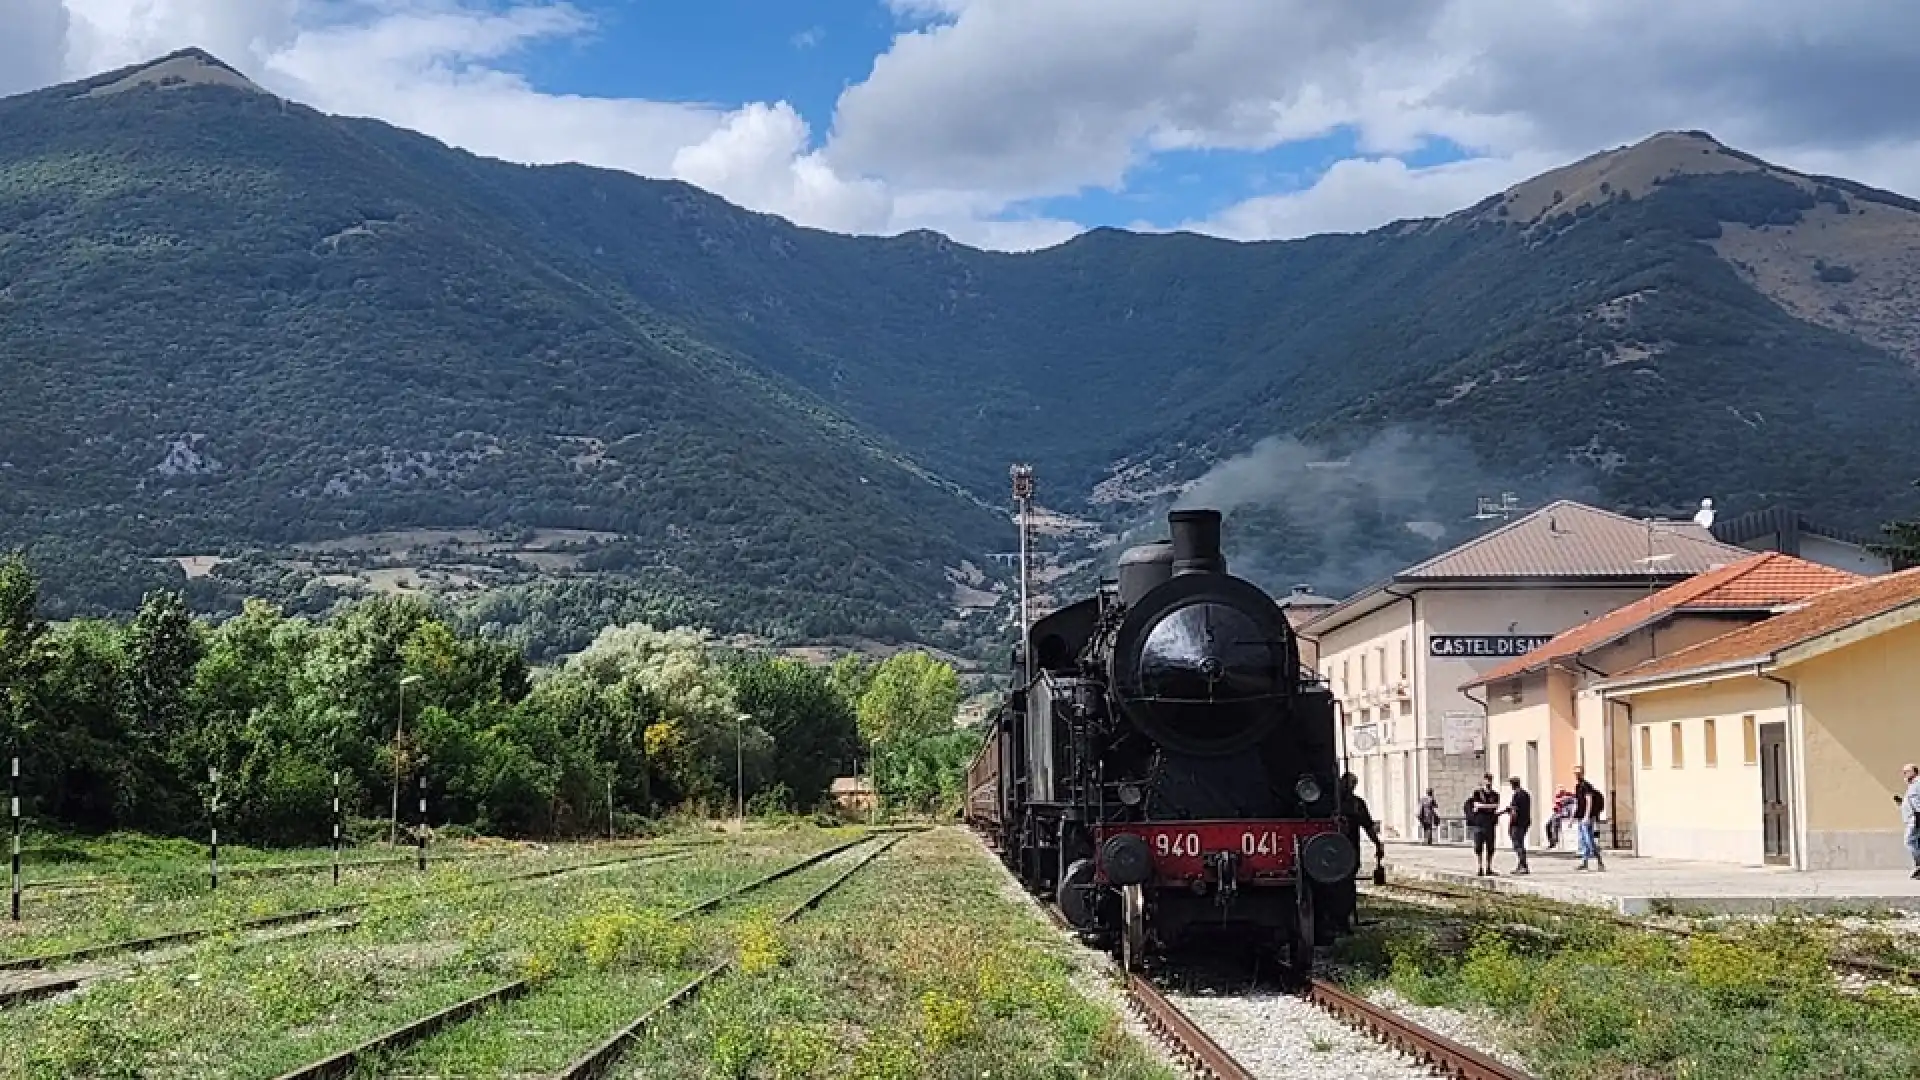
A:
(228, 321)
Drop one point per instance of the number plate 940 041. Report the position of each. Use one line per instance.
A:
(1265, 849)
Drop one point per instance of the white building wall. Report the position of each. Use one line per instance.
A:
(1398, 770)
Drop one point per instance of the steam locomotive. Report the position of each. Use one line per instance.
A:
(1163, 769)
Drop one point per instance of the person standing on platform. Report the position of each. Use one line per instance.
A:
(1587, 806)
(1910, 813)
(1429, 817)
(1483, 811)
(1519, 813)
(1355, 819)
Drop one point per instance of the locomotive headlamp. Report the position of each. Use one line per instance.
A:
(1130, 794)
(1307, 789)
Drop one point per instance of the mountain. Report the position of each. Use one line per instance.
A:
(332, 352)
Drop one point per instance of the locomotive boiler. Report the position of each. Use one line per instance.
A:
(1163, 769)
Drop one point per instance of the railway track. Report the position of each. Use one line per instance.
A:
(58, 963)
(1187, 1042)
(1464, 894)
(596, 1061)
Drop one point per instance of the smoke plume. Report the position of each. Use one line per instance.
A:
(1340, 520)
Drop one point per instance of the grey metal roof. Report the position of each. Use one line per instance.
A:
(1567, 539)
(1785, 524)
(1563, 542)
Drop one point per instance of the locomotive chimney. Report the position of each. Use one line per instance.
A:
(1196, 542)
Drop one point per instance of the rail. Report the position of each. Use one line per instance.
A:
(601, 1057)
(44, 961)
(1429, 1047)
(595, 1062)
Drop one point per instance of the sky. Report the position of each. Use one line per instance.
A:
(1016, 124)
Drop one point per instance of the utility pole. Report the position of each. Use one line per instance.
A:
(740, 768)
(1022, 476)
(15, 792)
(421, 838)
(213, 828)
(609, 807)
(336, 826)
(399, 723)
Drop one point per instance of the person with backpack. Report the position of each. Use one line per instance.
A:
(1588, 804)
(1429, 817)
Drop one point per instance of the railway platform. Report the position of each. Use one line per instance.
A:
(1643, 886)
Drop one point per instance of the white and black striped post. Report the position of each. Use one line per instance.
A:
(213, 828)
(421, 836)
(336, 826)
(14, 791)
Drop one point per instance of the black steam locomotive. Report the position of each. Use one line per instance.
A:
(1164, 769)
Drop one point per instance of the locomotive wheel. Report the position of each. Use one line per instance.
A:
(1133, 933)
(1300, 949)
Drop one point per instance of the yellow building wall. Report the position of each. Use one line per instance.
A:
(1858, 708)
(1691, 809)
(1394, 774)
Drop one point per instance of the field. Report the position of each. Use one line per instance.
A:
(921, 965)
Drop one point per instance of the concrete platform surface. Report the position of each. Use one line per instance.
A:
(1638, 886)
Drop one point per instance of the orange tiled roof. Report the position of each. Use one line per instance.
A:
(1759, 582)
(1760, 642)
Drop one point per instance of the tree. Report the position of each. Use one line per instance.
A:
(911, 697)
(24, 658)
(1903, 546)
(163, 648)
(812, 724)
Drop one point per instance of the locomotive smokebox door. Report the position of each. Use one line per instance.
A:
(1204, 665)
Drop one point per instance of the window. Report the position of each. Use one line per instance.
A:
(1646, 747)
(1712, 757)
(1366, 670)
(1583, 752)
(1750, 739)
(1679, 745)
(1506, 767)
(1403, 659)
(1380, 664)
(1406, 708)
(1345, 673)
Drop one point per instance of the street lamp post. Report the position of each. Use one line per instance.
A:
(399, 722)
(740, 768)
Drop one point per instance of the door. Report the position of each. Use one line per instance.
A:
(1775, 820)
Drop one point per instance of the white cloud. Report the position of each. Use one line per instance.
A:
(33, 35)
(1360, 193)
(979, 106)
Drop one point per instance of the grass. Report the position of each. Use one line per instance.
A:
(178, 898)
(1595, 1001)
(920, 966)
(246, 1010)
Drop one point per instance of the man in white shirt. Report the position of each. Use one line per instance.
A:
(1910, 813)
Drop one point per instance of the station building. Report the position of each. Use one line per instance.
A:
(1543, 710)
(1781, 742)
(1780, 529)
(1397, 653)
